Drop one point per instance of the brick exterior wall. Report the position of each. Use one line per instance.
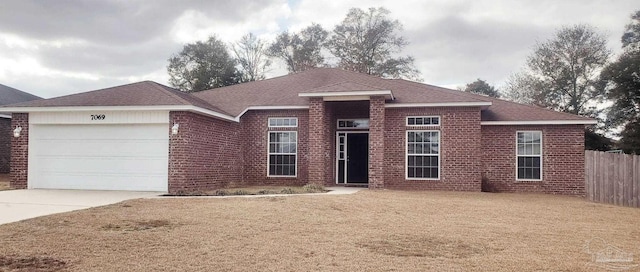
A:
(376, 142)
(5, 145)
(209, 154)
(206, 153)
(255, 130)
(562, 159)
(460, 151)
(319, 143)
(20, 151)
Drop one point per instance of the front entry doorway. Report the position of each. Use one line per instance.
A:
(352, 157)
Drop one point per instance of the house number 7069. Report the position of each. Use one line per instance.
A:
(97, 117)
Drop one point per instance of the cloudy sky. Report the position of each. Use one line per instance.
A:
(53, 48)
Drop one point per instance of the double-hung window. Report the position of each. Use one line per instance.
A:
(282, 158)
(529, 155)
(423, 154)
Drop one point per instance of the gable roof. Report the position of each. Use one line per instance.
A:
(285, 90)
(292, 91)
(10, 95)
(145, 93)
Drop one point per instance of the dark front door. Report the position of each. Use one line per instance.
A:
(357, 157)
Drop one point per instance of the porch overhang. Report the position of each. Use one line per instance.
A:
(349, 95)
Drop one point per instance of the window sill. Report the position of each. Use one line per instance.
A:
(528, 181)
(423, 179)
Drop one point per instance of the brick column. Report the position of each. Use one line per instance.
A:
(178, 179)
(376, 142)
(19, 151)
(318, 143)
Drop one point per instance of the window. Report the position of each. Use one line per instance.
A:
(423, 121)
(283, 122)
(529, 155)
(353, 123)
(423, 154)
(283, 150)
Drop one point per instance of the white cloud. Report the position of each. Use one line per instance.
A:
(59, 48)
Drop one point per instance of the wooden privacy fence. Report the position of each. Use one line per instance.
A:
(612, 178)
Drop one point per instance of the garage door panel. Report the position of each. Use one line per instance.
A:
(78, 181)
(92, 148)
(99, 157)
(102, 166)
(98, 132)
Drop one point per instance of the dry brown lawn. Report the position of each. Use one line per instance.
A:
(4, 182)
(368, 231)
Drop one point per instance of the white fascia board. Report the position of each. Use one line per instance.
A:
(351, 93)
(8, 116)
(145, 108)
(432, 105)
(270, 108)
(542, 122)
(121, 108)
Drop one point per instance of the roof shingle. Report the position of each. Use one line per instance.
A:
(284, 91)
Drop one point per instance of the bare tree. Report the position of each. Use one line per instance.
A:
(251, 55)
(368, 42)
(300, 51)
(562, 73)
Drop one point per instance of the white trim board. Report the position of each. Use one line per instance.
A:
(350, 93)
(149, 108)
(432, 105)
(269, 108)
(237, 118)
(540, 122)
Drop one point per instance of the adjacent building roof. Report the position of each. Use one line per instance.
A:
(10, 95)
(294, 90)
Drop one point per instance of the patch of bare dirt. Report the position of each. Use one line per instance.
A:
(137, 225)
(256, 190)
(424, 246)
(32, 264)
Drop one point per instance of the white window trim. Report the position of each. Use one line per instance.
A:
(406, 155)
(269, 153)
(352, 128)
(283, 126)
(426, 116)
(541, 155)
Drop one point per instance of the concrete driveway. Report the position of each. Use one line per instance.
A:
(16, 205)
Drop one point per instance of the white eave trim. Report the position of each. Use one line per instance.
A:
(147, 108)
(432, 105)
(270, 108)
(541, 122)
(122, 108)
(5, 116)
(386, 93)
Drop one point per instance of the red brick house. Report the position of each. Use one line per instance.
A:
(323, 126)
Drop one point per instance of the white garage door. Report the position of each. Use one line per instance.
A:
(99, 157)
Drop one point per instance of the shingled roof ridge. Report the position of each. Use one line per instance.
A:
(452, 91)
(186, 98)
(252, 82)
(343, 82)
(539, 108)
(493, 99)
